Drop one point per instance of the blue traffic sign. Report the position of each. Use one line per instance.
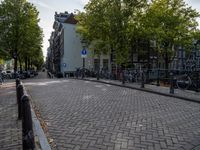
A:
(84, 52)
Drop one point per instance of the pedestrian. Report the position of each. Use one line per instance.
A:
(1, 78)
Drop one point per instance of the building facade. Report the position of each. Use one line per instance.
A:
(64, 52)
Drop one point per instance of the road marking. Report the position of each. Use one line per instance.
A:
(98, 86)
(104, 89)
(86, 97)
(44, 83)
(10, 92)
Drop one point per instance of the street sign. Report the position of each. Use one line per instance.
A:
(84, 53)
(64, 65)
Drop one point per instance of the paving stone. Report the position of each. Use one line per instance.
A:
(10, 127)
(118, 118)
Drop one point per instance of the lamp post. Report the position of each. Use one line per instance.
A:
(83, 71)
(180, 58)
(83, 55)
(195, 53)
(153, 46)
(196, 69)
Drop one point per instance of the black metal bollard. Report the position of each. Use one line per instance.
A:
(98, 76)
(123, 77)
(27, 128)
(142, 83)
(158, 78)
(20, 93)
(76, 73)
(198, 82)
(171, 83)
(17, 82)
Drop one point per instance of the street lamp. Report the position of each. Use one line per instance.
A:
(153, 57)
(181, 56)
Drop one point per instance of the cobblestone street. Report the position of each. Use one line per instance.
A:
(10, 127)
(88, 116)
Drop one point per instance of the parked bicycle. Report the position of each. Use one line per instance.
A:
(140, 75)
(188, 80)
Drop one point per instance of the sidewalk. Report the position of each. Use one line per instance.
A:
(182, 94)
(10, 127)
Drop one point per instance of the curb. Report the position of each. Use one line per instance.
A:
(41, 141)
(39, 133)
(145, 90)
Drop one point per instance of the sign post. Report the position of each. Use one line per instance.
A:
(83, 55)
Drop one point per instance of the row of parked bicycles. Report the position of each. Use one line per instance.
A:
(182, 79)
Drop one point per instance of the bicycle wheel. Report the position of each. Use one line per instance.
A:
(183, 82)
(195, 78)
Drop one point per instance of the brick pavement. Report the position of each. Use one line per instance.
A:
(160, 89)
(88, 116)
(10, 127)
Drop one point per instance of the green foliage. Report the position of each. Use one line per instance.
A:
(122, 23)
(171, 23)
(99, 47)
(108, 21)
(19, 30)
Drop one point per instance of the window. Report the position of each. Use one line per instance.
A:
(96, 64)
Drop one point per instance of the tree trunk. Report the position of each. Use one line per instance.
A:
(98, 72)
(148, 59)
(29, 63)
(15, 62)
(26, 63)
(20, 64)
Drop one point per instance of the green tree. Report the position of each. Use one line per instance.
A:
(126, 25)
(171, 23)
(109, 21)
(20, 34)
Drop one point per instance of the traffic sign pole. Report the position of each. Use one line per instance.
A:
(83, 55)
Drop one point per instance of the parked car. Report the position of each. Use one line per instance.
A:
(31, 73)
(21, 75)
(3, 73)
(9, 74)
(35, 73)
(26, 74)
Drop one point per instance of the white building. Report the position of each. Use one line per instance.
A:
(65, 48)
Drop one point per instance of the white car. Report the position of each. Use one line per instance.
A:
(9, 74)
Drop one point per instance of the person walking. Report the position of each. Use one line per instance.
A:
(1, 78)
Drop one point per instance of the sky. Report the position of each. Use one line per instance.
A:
(47, 9)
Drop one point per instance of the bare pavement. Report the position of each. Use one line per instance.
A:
(88, 115)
